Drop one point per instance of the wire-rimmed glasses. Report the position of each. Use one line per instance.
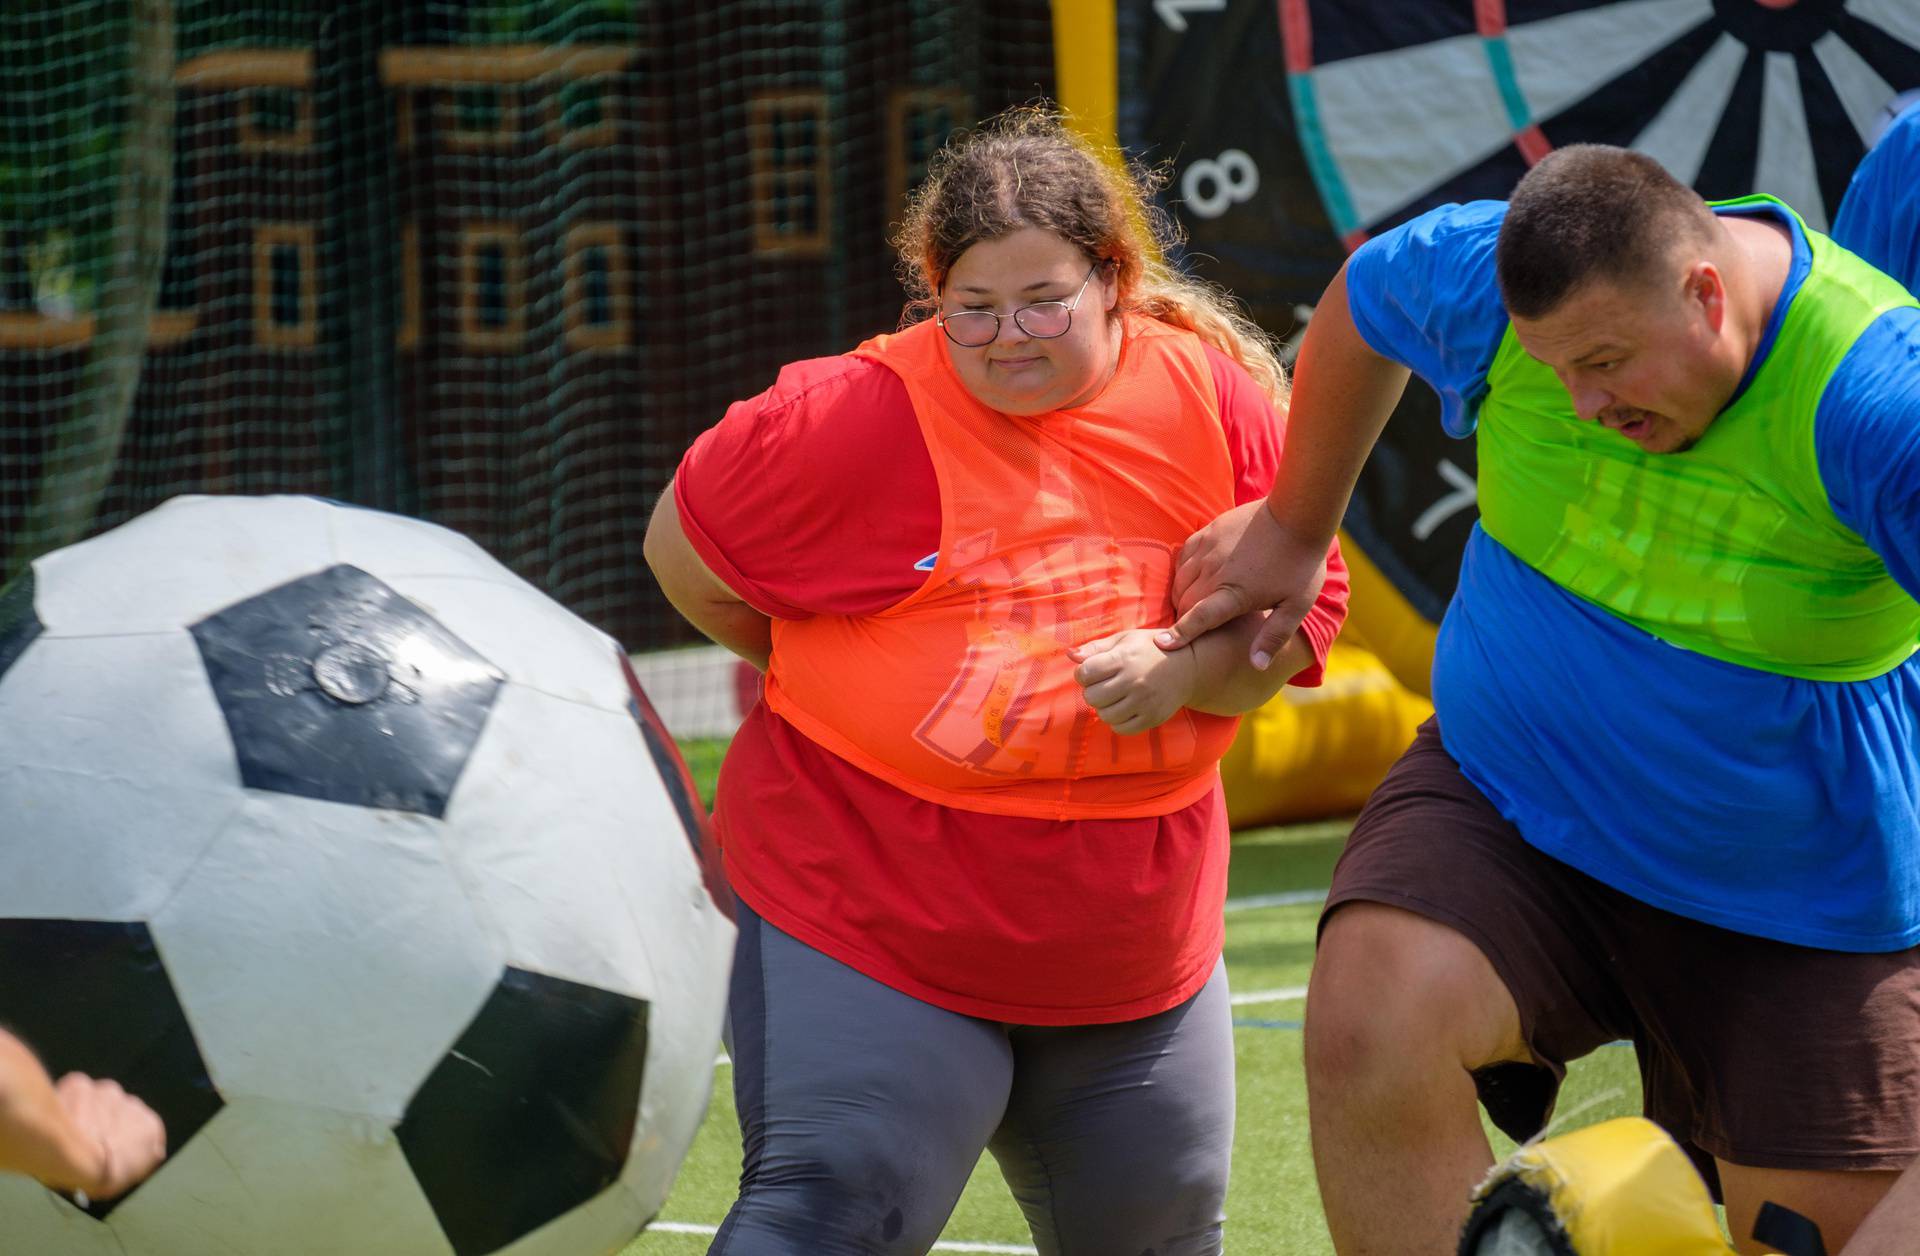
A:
(1043, 320)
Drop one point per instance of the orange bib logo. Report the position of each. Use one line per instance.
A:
(1014, 691)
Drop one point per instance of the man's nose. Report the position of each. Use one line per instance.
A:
(1588, 401)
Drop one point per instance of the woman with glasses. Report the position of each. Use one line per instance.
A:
(975, 823)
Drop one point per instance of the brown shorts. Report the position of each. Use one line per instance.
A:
(1756, 1052)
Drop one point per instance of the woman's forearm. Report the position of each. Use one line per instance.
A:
(1226, 683)
(700, 596)
(734, 625)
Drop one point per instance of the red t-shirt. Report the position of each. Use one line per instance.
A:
(818, 497)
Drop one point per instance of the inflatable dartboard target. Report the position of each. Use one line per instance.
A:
(1399, 107)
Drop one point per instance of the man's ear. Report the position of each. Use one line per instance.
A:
(1706, 290)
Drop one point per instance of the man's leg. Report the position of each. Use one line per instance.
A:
(1400, 1013)
(1117, 1137)
(1836, 1202)
(862, 1109)
(1890, 1230)
(1796, 1069)
(1758, 1050)
(1455, 961)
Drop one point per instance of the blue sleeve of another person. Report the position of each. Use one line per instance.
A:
(1867, 440)
(1879, 218)
(1425, 295)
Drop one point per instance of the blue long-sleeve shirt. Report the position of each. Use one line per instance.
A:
(1879, 217)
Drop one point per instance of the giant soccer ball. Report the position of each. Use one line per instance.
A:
(371, 869)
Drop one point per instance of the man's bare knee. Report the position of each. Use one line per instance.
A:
(1392, 989)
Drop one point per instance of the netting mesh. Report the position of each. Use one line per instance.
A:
(492, 265)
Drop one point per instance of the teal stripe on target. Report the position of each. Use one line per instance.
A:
(1500, 57)
(1313, 143)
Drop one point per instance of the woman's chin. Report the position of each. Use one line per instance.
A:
(1020, 401)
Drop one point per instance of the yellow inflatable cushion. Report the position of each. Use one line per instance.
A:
(1313, 753)
(1620, 1188)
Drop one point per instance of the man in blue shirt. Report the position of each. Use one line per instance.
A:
(1673, 790)
(1880, 220)
(1879, 217)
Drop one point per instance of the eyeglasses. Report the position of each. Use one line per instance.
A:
(1043, 320)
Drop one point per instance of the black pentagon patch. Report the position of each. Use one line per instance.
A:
(336, 687)
(94, 997)
(531, 1114)
(679, 782)
(19, 625)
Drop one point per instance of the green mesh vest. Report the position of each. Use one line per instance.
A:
(1730, 549)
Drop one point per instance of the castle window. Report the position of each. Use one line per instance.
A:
(919, 120)
(284, 286)
(789, 136)
(484, 115)
(492, 307)
(586, 112)
(276, 119)
(597, 295)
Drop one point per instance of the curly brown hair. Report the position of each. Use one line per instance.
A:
(1026, 168)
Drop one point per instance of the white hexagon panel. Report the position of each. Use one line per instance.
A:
(371, 869)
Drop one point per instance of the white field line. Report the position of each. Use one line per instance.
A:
(1286, 994)
(1287, 898)
(1011, 1249)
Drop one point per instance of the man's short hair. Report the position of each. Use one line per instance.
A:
(1591, 211)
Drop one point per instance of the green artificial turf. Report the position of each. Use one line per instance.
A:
(703, 755)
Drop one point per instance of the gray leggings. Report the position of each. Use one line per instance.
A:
(863, 1111)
